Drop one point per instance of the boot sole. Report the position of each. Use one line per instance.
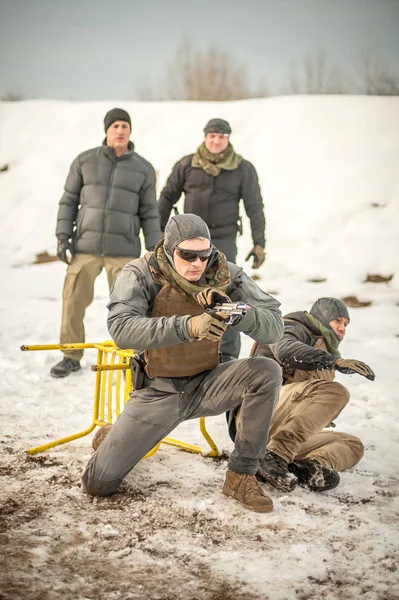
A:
(59, 376)
(315, 477)
(283, 484)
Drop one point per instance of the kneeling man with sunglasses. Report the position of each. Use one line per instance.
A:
(165, 304)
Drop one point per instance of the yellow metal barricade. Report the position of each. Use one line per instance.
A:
(111, 391)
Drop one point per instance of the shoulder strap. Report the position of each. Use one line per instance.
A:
(143, 272)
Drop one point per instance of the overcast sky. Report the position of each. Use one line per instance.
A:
(104, 50)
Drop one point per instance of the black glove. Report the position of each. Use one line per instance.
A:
(349, 366)
(209, 297)
(259, 255)
(63, 246)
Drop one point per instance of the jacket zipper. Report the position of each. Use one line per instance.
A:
(106, 206)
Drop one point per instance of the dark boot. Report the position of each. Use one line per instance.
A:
(100, 435)
(66, 366)
(248, 491)
(274, 470)
(312, 475)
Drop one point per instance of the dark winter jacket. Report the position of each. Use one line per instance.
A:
(107, 200)
(295, 349)
(216, 199)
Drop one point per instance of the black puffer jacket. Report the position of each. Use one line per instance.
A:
(107, 200)
(216, 199)
(295, 349)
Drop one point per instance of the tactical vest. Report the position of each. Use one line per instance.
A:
(184, 359)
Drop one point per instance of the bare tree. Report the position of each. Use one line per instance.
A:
(316, 76)
(208, 75)
(372, 76)
(12, 97)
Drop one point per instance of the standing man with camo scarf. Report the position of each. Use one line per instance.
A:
(214, 180)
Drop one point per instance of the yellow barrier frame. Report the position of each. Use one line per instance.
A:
(103, 413)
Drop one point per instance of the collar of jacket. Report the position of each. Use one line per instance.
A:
(316, 329)
(301, 317)
(110, 152)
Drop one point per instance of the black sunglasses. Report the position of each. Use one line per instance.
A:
(192, 255)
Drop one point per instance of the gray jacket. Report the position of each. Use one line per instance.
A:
(107, 200)
(132, 298)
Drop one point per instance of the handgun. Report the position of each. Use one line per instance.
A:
(235, 310)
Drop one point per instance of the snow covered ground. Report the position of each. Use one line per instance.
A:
(328, 170)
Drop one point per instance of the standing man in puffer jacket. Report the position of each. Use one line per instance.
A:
(299, 450)
(214, 180)
(109, 197)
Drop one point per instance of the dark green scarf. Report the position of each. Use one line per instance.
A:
(329, 336)
(217, 275)
(214, 163)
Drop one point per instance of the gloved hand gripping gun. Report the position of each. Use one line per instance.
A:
(235, 310)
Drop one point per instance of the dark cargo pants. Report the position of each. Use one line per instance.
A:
(78, 294)
(153, 412)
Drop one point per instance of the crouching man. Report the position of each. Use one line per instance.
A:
(299, 451)
(158, 305)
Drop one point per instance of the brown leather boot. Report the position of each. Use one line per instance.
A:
(248, 491)
(100, 435)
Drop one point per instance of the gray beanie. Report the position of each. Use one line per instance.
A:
(328, 309)
(217, 126)
(183, 227)
(116, 114)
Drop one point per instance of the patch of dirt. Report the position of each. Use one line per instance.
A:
(44, 257)
(317, 280)
(354, 302)
(350, 500)
(153, 540)
(4, 168)
(378, 278)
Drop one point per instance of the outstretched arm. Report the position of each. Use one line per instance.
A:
(295, 350)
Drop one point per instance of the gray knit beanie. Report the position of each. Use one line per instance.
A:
(328, 309)
(183, 227)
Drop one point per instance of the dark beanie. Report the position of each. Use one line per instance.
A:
(217, 126)
(183, 227)
(328, 309)
(116, 114)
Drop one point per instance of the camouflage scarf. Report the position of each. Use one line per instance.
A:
(328, 335)
(217, 275)
(214, 163)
